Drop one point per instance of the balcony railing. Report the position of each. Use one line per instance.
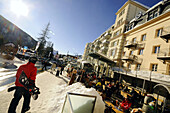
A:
(105, 43)
(132, 45)
(141, 45)
(104, 48)
(133, 59)
(108, 35)
(98, 42)
(97, 48)
(166, 33)
(164, 54)
(92, 45)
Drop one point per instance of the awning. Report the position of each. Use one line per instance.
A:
(162, 90)
(101, 57)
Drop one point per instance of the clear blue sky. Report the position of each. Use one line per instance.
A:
(74, 22)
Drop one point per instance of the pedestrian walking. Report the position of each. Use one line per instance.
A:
(44, 65)
(53, 67)
(62, 68)
(31, 72)
(58, 71)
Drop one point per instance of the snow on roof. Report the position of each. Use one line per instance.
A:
(141, 4)
(167, 10)
(132, 20)
(154, 6)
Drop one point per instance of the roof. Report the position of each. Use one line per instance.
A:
(153, 7)
(144, 7)
(101, 57)
(141, 4)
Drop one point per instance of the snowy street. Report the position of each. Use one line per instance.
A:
(52, 94)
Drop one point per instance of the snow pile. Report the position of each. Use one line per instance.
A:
(57, 102)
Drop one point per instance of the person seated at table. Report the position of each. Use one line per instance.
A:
(125, 89)
(124, 105)
(136, 110)
(99, 86)
(134, 97)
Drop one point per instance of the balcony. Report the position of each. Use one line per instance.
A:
(105, 43)
(135, 45)
(97, 48)
(131, 45)
(107, 35)
(166, 33)
(164, 54)
(92, 45)
(142, 45)
(104, 48)
(98, 42)
(133, 59)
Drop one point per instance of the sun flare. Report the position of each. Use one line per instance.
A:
(19, 8)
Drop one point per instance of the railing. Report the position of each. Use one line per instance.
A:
(92, 45)
(141, 45)
(131, 44)
(146, 74)
(166, 31)
(132, 58)
(98, 42)
(105, 43)
(165, 52)
(104, 48)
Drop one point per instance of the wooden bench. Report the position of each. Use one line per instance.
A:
(113, 107)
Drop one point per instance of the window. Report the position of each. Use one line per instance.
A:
(138, 66)
(140, 52)
(117, 32)
(120, 21)
(156, 49)
(113, 52)
(154, 67)
(150, 16)
(129, 66)
(124, 53)
(158, 32)
(143, 37)
(122, 12)
(131, 53)
(126, 42)
(153, 14)
(115, 43)
(134, 40)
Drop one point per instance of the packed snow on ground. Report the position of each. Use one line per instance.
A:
(53, 92)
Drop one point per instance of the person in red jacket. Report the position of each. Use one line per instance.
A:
(31, 72)
(124, 105)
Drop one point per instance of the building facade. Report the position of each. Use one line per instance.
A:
(138, 41)
(147, 40)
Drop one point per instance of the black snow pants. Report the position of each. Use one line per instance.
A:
(19, 92)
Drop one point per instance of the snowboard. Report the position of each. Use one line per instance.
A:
(33, 90)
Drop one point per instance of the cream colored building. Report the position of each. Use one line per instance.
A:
(146, 47)
(126, 13)
(139, 39)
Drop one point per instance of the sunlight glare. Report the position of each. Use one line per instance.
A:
(19, 8)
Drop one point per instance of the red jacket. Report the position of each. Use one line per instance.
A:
(29, 69)
(125, 104)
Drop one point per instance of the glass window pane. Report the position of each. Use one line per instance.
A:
(82, 104)
(67, 108)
